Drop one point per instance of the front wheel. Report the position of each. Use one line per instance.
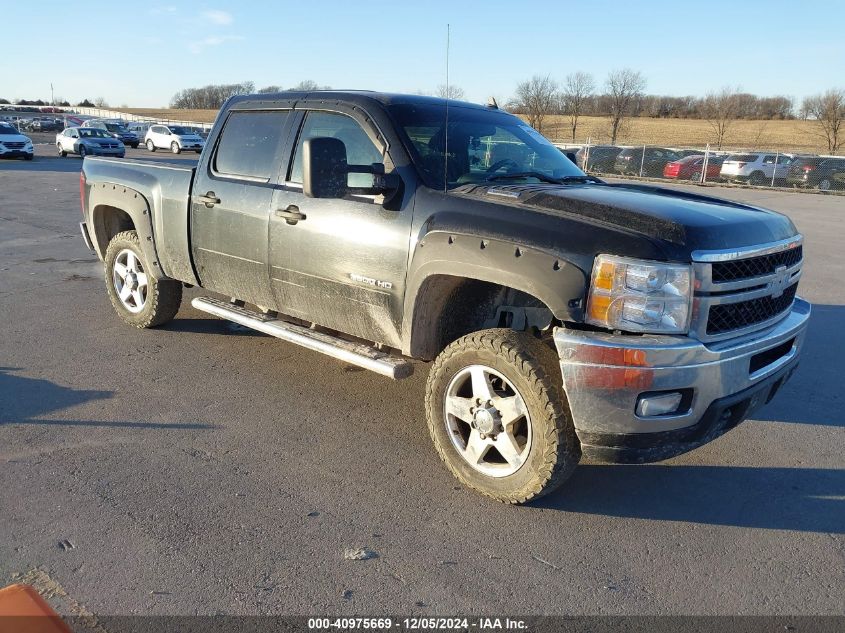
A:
(139, 299)
(174, 147)
(498, 415)
(61, 150)
(82, 152)
(150, 145)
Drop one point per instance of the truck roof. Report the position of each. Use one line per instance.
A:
(354, 97)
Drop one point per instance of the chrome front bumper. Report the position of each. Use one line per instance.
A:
(604, 375)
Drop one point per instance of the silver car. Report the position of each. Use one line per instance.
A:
(87, 141)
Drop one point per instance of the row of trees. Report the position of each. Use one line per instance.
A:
(623, 95)
(213, 96)
(540, 96)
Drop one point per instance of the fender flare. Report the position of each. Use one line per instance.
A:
(106, 195)
(557, 282)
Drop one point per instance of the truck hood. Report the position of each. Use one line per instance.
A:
(692, 221)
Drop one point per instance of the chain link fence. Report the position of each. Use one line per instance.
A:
(704, 165)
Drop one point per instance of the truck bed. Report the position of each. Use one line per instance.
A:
(166, 187)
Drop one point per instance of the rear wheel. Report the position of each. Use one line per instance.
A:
(757, 178)
(174, 147)
(498, 415)
(150, 145)
(696, 177)
(139, 299)
(825, 184)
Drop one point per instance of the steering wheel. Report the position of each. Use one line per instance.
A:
(501, 163)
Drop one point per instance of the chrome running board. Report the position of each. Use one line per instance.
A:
(364, 356)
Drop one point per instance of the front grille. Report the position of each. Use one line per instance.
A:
(14, 144)
(726, 317)
(755, 266)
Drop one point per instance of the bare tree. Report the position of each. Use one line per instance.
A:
(828, 110)
(721, 109)
(308, 85)
(450, 92)
(535, 99)
(209, 97)
(624, 88)
(574, 97)
(269, 89)
(100, 102)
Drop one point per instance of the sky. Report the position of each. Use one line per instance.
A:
(141, 54)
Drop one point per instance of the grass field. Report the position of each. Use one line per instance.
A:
(784, 136)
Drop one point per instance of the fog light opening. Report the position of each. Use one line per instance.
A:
(650, 405)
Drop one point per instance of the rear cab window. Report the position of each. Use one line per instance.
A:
(249, 145)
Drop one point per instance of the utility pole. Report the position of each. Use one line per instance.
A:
(52, 98)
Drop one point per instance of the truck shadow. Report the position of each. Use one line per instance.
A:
(24, 400)
(798, 499)
(814, 394)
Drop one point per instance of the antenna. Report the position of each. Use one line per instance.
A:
(446, 129)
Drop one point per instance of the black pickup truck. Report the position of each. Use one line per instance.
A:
(564, 316)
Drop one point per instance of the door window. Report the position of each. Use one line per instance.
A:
(360, 150)
(249, 144)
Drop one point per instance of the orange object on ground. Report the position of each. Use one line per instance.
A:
(22, 610)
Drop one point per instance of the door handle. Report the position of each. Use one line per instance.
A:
(209, 199)
(291, 214)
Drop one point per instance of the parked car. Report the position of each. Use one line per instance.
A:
(813, 171)
(176, 138)
(88, 141)
(562, 316)
(633, 161)
(691, 167)
(830, 174)
(600, 158)
(139, 127)
(756, 168)
(116, 128)
(13, 144)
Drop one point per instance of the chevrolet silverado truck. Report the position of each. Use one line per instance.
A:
(561, 315)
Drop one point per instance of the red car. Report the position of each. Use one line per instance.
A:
(689, 168)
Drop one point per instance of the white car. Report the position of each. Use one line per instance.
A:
(755, 169)
(13, 144)
(173, 137)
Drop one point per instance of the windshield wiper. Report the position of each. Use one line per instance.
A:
(525, 174)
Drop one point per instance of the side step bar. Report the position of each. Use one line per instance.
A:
(353, 353)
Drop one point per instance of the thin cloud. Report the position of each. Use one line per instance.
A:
(198, 46)
(215, 16)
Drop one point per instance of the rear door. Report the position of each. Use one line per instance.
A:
(347, 257)
(231, 201)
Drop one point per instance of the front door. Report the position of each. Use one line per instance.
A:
(347, 257)
(231, 202)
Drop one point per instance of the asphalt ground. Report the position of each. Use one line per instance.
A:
(199, 468)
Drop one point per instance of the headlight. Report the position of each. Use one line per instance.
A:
(640, 296)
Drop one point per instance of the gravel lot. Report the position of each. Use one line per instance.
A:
(202, 469)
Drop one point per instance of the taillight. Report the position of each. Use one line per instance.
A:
(807, 168)
(82, 191)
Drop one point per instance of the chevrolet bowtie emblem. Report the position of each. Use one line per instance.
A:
(780, 282)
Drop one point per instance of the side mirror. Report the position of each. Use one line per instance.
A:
(324, 168)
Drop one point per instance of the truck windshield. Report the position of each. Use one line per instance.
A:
(483, 146)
